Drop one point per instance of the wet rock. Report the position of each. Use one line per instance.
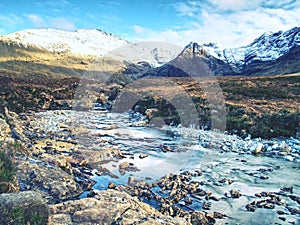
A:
(295, 198)
(143, 155)
(166, 148)
(284, 147)
(289, 158)
(188, 201)
(235, 193)
(280, 212)
(293, 210)
(257, 148)
(111, 185)
(200, 218)
(251, 206)
(198, 173)
(126, 166)
(282, 218)
(26, 207)
(264, 177)
(218, 215)
(150, 113)
(206, 205)
(287, 189)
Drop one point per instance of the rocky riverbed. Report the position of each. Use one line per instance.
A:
(169, 175)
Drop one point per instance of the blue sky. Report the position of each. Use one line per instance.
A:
(227, 22)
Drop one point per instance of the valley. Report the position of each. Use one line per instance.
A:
(163, 136)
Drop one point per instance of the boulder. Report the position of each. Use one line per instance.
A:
(108, 207)
(26, 207)
(53, 183)
(257, 148)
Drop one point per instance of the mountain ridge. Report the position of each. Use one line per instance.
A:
(270, 54)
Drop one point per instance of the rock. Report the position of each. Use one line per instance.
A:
(287, 189)
(131, 180)
(200, 218)
(256, 149)
(285, 147)
(9, 186)
(143, 155)
(53, 183)
(289, 158)
(108, 207)
(235, 194)
(166, 148)
(206, 205)
(111, 185)
(126, 166)
(26, 207)
(280, 212)
(264, 177)
(218, 215)
(150, 113)
(188, 201)
(251, 206)
(5, 131)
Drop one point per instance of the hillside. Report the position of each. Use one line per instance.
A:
(34, 78)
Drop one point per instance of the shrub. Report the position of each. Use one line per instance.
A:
(7, 168)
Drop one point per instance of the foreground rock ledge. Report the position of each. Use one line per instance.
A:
(108, 207)
(25, 207)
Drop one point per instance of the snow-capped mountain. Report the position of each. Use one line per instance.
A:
(83, 42)
(270, 54)
(93, 43)
(269, 47)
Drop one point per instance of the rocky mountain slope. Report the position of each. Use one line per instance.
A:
(53, 51)
(78, 50)
(266, 48)
(270, 54)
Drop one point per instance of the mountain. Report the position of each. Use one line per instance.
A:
(72, 53)
(83, 42)
(195, 61)
(269, 54)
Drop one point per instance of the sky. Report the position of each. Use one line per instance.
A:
(229, 23)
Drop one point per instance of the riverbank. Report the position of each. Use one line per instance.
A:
(202, 177)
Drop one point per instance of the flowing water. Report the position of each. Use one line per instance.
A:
(250, 174)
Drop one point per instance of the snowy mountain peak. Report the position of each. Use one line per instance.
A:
(199, 50)
(83, 41)
(268, 47)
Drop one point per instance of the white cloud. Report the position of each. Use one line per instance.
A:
(189, 8)
(62, 24)
(229, 22)
(57, 23)
(140, 30)
(36, 20)
(235, 5)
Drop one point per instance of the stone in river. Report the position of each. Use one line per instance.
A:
(235, 194)
(111, 185)
(143, 155)
(256, 149)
